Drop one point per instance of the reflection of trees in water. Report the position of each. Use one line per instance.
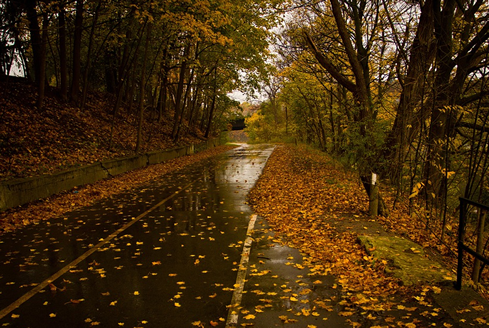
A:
(186, 210)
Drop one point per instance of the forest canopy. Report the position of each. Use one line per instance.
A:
(395, 88)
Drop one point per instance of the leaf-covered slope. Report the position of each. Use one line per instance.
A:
(34, 142)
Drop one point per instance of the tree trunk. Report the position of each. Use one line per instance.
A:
(123, 72)
(63, 64)
(178, 100)
(213, 104)
(36, 40)
(195, 99)
(382, 208)
(42, 70)
(89, 56)
(185, 101)
(163, 96)
(142, 90)
(77, 39)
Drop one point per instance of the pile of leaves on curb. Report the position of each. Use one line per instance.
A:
(56, 205)
(302, 193)
(40, 141)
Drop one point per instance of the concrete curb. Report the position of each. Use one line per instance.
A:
(17, 192)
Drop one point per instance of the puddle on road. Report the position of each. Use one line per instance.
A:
(281, 291)
(174, 266)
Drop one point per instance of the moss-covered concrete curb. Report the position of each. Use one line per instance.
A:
(17, 192)
(406, 260)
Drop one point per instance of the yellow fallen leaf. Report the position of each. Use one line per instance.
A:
(136, 293)
(293, 299)
(283, 317)
(177, 304)
(480, 321)
(249, 317)
(52, 315)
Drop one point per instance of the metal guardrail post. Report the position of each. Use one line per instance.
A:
(461, 236)
(461, 230)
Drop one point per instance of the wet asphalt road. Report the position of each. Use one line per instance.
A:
(165, 255)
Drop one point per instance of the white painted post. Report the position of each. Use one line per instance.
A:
(374, 196)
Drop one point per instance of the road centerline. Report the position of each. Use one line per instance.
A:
(24, 298)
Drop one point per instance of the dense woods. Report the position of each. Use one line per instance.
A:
(395, 88)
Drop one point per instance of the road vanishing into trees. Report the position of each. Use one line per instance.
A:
(163, 255)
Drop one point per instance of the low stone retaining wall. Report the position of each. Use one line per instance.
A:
(21, 191)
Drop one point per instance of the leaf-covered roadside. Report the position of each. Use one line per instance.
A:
(297, 193)
(58, 204)
(303, 195)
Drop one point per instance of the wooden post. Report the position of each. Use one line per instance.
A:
(374, 197)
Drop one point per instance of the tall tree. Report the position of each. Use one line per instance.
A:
(77, 45)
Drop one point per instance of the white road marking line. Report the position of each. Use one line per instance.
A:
(75, 262)
(233, 314)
